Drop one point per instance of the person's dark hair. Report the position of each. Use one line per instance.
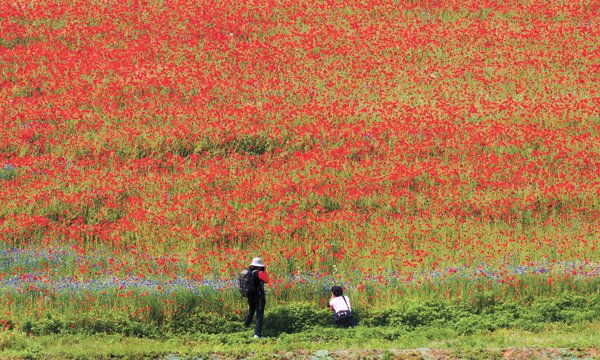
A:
(252, 267)
(337, 291)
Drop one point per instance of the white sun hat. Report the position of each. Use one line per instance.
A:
(257, 262)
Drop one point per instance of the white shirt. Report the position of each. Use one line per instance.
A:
(338, 303)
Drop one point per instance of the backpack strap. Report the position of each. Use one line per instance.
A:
(255, 279)
(348, 306)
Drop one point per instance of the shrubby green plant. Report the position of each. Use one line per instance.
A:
(197, 321)
(295, 317)
(12, 340)
(105, 323)
(473, 324)
(487, 314)
(463, 317)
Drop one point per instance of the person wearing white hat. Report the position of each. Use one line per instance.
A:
(256, 295)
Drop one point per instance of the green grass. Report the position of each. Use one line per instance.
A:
(566, 341)
(483, 327)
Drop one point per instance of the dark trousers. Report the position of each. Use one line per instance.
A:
(347, 322)
(256, 304)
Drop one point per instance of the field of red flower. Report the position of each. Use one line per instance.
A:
(391, 146)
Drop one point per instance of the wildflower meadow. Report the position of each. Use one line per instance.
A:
(414, 152)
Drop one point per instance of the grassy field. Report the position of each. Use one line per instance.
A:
(413, 152)
(577, 341)
(559, 327)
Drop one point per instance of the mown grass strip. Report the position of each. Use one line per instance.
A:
(556, 340)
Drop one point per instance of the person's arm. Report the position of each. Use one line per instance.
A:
(263, 276)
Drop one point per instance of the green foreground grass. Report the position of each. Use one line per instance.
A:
(564, 326)
(580, 340)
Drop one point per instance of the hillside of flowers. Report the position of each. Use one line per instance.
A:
(395, 147)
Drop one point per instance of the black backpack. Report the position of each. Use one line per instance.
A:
(246, 283)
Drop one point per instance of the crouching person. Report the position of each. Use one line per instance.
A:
(342, 310)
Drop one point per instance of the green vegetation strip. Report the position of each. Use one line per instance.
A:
(482, 313)
(555, 341)
(564, 326)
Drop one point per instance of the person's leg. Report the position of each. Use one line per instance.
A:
(348, 322)
(260, 314)
(251, 309)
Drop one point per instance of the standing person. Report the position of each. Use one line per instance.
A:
(256, 295)
(342, 310)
